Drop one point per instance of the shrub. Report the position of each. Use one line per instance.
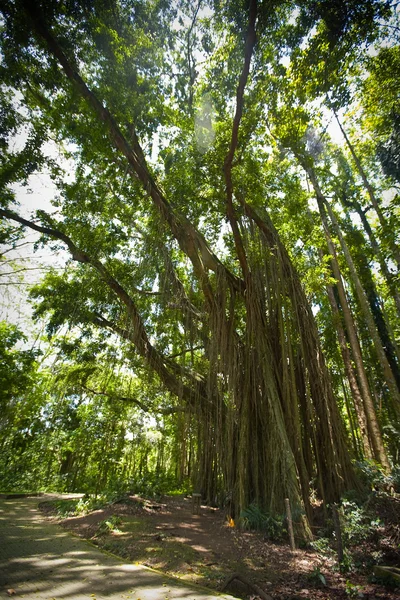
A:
(316, 577)
(357, 523)
(110, 524)
(253, 518)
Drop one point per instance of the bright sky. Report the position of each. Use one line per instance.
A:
(14, 306)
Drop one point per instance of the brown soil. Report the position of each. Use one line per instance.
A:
(205, 549)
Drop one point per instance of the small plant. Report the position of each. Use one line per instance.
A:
(322, 545)
(108, 525)
(346, 564)
(253, 518)
(64, 508)
(156, 485)
(357, 524)
(316, 577)
(353, 590)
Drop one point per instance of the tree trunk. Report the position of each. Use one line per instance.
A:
(373, 425)
(350, 374)
(366, 311)
(390, 280)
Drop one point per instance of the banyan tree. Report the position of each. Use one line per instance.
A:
(165, 118)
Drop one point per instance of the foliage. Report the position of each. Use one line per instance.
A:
(322, 545)
(352, 590)
(376, 479)
(109, 525)
(357, 523)
(316, 577)
(67, 507)
(228, 312)
(156, 485)
(62, 508)
(17, 367)
(253, 518)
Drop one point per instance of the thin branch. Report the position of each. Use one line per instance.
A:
(230, 211)
(185, 351)
(145, 292)
(21, 270)
(77, 254)
(130, 399)
(196, 379)
(11, 283)
(3, 252)
(189, 56)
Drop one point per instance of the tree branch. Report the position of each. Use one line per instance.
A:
(143, 407)
(195, 378)
(190, 240)
(137, 334)
(185, 351)
(230, 211)
(191, 67)
(23, 269)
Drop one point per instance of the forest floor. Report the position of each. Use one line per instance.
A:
(205, 549)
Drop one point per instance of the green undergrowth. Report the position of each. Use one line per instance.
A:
(73, 507)
(253, 518)
(370, 530)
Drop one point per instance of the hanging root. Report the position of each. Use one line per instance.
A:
(254, 587)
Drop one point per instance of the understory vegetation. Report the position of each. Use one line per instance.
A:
(159, 534)
(214, 188)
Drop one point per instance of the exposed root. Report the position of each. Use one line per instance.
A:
(253, 586)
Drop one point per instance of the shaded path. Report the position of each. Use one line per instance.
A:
(40, 560)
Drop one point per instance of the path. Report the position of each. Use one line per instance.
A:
(41, 561)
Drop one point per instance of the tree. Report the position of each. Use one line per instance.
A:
(20, 401)
(169, 221)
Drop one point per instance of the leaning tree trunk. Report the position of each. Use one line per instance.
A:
(373, 425)
(367, 314)
(389, 277)
(350, 374)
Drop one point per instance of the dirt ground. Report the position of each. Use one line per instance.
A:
(206, 549)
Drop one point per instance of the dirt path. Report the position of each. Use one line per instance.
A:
(203, 549)
(40, 560)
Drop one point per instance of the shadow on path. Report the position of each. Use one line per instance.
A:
(40, 560)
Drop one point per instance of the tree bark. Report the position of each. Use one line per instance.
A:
(290, 524)
(350, 374)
